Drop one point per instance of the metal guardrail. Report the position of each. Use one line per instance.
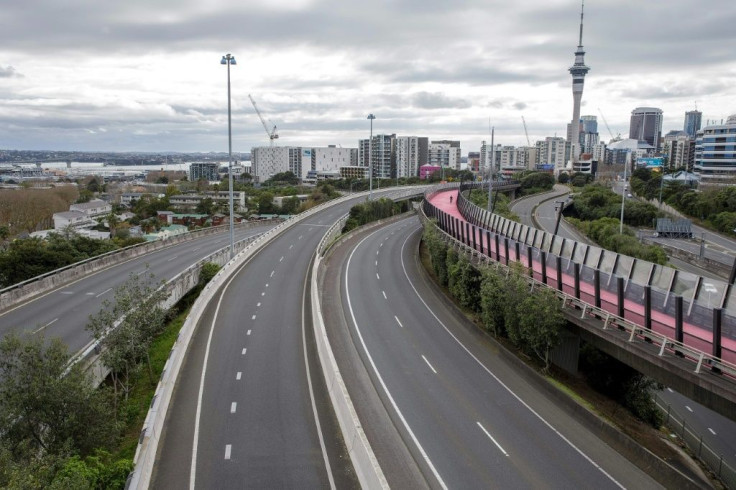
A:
(635, 332)
(150, 435)
(677, 423)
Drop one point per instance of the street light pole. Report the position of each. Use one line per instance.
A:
(623, 200)
(228, 60)
(371, 117)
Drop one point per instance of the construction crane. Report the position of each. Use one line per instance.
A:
(616, 138)
(272, 134)
(528, 142)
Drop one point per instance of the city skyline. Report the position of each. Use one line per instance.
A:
(140, 77)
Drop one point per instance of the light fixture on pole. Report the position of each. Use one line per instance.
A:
(228, 60)
(370, 159)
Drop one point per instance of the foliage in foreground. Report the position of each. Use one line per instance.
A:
(370, 211)
(532, 322)
(49, 418)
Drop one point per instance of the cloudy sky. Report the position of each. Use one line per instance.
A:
(144, 75)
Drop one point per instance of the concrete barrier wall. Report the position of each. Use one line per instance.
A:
(25, 290)
(153, 426)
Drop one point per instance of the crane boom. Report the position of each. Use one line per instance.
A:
(606, 122)
(529, 143)
(272, 135)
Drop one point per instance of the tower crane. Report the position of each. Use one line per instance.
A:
(617, 138)
(272, 134)
(528, 142)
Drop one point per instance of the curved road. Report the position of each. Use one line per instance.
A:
(64, 312)
(250, 408)
(469, 419)
(718, 432)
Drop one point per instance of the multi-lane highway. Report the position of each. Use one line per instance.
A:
(64, 312)
(469, 419)
(250, 408)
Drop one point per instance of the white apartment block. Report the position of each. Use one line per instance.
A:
(267, 161)
(445, 154)
(382, 154)
(551, 151)
(407, 156)
(331, 158)
(599, 152)
(680, 151)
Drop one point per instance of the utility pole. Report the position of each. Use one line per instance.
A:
(490, 169)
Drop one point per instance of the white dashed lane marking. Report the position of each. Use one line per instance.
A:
(398, 321)
(248, 332)
(428, 364)
(712, 431)
(233, 407)
(239, 375)
(228, 449)
(491, 438)
(384, 295)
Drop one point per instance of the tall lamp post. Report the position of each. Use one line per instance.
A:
(623, 199)
(228, 60)
(371, 117)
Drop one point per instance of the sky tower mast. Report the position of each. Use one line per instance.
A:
(578, 72)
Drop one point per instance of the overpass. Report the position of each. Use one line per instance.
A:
(671, 325)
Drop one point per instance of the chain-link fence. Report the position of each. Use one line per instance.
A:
(677, 423)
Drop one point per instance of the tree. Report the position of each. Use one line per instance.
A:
(205, 206)
(492, 297)
(45, 408)
(540, 323)
(464, 282)
(126, 327)
(437, 252)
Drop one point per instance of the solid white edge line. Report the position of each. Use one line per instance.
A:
(378, 374)
(104, 292)
(491, 438)
(193, 468)
(528, 407)
(322, 446)
(428, 364)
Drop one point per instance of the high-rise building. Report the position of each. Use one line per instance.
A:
(445, 153)
(715, 153)
(204, 170)
(589, 135)
(268, 161)
(578, 72)
(679, 148)
(411, 153)
(331, 158)
(551, 152)
(646, 125)
(693, 120)
(381, 154)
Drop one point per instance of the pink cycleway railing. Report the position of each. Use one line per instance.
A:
(452, 221)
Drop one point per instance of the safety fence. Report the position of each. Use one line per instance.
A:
(585, 277)
(677, 423)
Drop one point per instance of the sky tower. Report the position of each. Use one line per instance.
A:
(578, 72)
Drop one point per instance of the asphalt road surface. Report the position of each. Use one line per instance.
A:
(64, 312)
(250, 409)
(469, 419)
(719, 433)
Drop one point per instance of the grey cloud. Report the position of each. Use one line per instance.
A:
(519, 105)
(437, 100)
(9, 72)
